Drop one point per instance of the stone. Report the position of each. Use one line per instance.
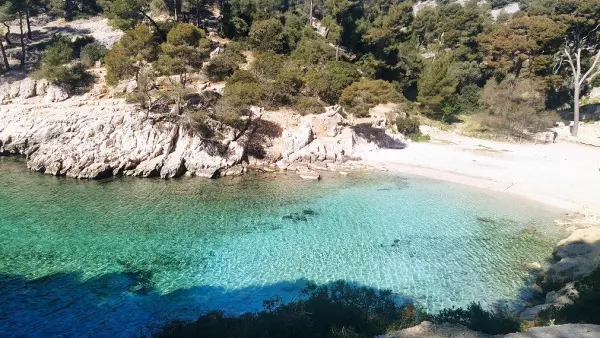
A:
(27, 88)
(56, 93)
(532, 312)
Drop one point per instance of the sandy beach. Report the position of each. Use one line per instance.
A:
(564, 175)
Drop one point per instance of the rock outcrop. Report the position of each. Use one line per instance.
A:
(83, 137)
(429, 330)
(575, 257)
(79, 140)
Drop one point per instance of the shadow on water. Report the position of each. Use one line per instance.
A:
(121, 304)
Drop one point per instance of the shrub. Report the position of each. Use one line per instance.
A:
(408, 125)
(224, 65)
(91, 53)
(267, 35)
(336, 310)
(514, 106)
(285, 90)
(308, 105)
(329, 82)
(478, 319)
(585, 309)
(268, 64)
(57, 65)
(363, 95)
(313, 51)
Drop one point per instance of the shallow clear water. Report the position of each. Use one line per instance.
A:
(114, 258)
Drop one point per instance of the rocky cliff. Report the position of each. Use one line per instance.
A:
(86, 137)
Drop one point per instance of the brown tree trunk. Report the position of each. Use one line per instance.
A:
(22, 39)
(4, 58)
(6, 35)
(576, 94)
(28, 24)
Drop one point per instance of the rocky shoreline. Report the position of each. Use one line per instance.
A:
(573, 258)
(87, 138)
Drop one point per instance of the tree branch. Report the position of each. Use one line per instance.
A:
(594, 64)
(570, 60)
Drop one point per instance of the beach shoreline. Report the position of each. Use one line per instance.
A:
(564, 175)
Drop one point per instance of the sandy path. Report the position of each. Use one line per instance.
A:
(564, 175)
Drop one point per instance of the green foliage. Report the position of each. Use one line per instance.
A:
(224, 65)
(284, 90)
(408, 125)
(437, 83)
(451, 26)
(57, 66)
(585, 309)
(136, 48)
(476, 318)
(365, 94)
(313, 52)
(328, 83)
(268, 64)
(267, 35)
(75, 9)
(185, 51)
(338, 310)
(126, 14)
(91, 53)
(308, 105)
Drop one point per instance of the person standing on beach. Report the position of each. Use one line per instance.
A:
(555, 136)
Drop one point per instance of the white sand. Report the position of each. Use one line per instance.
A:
(563, 175)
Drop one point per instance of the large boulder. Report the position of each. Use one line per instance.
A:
(56, 93)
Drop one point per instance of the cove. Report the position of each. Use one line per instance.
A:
(119, 257)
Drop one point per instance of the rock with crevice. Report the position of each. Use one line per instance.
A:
(111, 138)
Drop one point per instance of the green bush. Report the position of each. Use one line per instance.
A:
(365, 94)
(91, 53)
(328, 83)
(267, 35)
(408, 125)
(58, 66)
(308, 105)
(268, 64)
(224, 65)
(476, 318)
(338, 310)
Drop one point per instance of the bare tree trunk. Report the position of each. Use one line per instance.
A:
(22, 40)
(576, 94)
(310, 15)
(28, 24)
(4, 58)
(175, 9)
(337, 52)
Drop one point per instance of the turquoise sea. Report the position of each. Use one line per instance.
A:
(119, 257)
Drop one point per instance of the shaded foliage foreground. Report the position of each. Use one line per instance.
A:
(585, 309)
(336, 310)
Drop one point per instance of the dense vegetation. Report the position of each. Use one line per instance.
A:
(338, 310)
(449, 59)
